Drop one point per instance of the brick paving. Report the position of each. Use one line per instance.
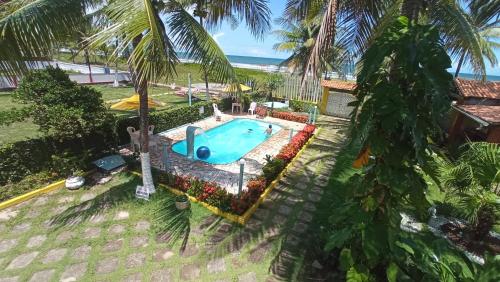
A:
(111, 242)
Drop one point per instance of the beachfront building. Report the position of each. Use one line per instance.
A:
(337, 94)
(476, 111)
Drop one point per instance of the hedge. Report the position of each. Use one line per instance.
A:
(166, 119)
(301, 106)
(20, 159)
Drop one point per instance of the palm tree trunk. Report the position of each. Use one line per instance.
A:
(141, 87)
(87, 61)
(459, 66)
(411, 8)
(205, 72)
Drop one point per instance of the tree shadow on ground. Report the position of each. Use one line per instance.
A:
(170, 224)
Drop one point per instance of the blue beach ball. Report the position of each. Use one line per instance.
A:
(203, 153)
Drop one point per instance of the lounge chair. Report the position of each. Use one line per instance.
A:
(252, 108)
(217, 112)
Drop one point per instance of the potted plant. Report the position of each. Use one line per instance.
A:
(68, 165)
(75, 180)
(181, 202)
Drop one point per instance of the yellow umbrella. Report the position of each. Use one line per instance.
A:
(234, 88)
(132, 103)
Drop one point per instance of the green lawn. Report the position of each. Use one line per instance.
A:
(24, 130)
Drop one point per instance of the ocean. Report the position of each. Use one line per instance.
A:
(271, 64)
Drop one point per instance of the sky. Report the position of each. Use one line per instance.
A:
(241, 42)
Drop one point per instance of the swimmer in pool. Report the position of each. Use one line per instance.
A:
(250, 130)
(269, 130)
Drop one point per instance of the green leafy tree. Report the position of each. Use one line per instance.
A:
(401, 96)
(473, 183)
(59, 106)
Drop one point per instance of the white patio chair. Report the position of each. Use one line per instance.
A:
(134, 138)
(252, 108)
(217, 112)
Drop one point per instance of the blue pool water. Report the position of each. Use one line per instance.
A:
(230, 141)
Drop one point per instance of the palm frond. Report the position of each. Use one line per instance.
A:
(325, 38)
(459, 34)
(255, 13)
(154, 57)
(190, 37)
(30, 29)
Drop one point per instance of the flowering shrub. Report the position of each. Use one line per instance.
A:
(221, 199)
(255, 187)
(290, 116)
(209, 188)
(261, 111)
(197, 187)
(290, 150)
(216, 196)
(182, 183)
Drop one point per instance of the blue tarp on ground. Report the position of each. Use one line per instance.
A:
(110, 162)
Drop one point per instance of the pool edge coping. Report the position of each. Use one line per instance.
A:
(242, 157)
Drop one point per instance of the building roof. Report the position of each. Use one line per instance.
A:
(489, 114)
(478, 89)
(339, 84)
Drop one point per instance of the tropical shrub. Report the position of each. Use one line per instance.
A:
(402, 93)
(261, 111)
(59, 106)
(290, 150)
(290, 116)
(22, 158)
(255, 187)
(272, 168)
(221, 199)
(196, 187)
(473, 185)
(301, 106)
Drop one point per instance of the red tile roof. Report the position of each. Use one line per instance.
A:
(478, 89)
(490, 114)
(339, 84)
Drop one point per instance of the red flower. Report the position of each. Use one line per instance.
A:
(290, 116)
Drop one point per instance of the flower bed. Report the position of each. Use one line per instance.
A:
(214, 195)
(291, 116)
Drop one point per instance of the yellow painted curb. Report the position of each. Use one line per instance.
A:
(44, 190)
(243, 219)
(32, 194)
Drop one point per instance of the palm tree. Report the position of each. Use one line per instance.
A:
(473, 182)
(212, 13)
(485, 17)
(31, 29)
(363, 20)
(299, 38)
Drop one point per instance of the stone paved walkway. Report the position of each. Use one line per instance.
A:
(105, 234)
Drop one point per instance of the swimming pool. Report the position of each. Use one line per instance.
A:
(230, 141)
